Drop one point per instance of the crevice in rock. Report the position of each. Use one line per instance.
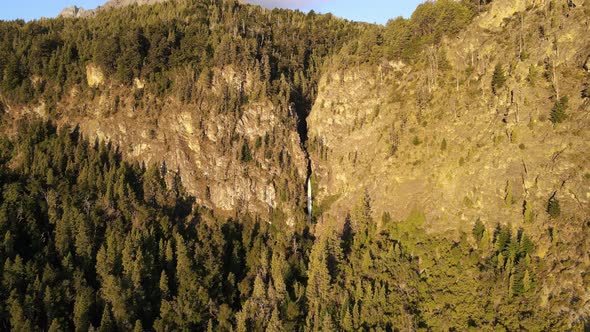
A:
(302, 107)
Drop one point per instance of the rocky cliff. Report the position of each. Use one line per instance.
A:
(206, 148)
(443, 142)
(434, 137)
(220, 105)
(482, 128)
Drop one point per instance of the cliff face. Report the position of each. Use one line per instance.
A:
(441, 141)
(251, 161)
(434, 137)
(217, 91)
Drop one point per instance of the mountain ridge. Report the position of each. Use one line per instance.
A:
(80, 12)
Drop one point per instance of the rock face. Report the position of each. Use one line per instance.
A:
(94, 75)
(72, 12)
(453, 149)
(502, 10)
(204, 145)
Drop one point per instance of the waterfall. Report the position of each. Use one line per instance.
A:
(309, 198)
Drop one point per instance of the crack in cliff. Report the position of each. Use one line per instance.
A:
(302, 111)
(302, 130)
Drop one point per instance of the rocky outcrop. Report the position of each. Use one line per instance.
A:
(94, 75)
(75, 12)
(72, 12)
(500, 11)
(204, 145)
(456, 151)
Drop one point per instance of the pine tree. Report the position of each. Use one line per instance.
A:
(553, 207)
(138, 327)
(508, 197)
(526, 281)
(13, 75)
(246, 153)
(478, 230)
(106, 322)
(164, 289)
(275, 324)
(82, 306)
(55, 326)
(318, 285)
(528, 211)
(327, 323)
(558, 114)
(498, 78)
(347, 321)
(277, 268)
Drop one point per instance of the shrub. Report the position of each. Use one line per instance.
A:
(478, 230)
(498, 79)
(553, 207)
(416, 140)
(532, 75)
(558, 114)
(246, 154)
(386, 218)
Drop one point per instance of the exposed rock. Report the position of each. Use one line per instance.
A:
(587, 64)
(72, 12)
(138, 83)
(366, 135)
(204, 146)
(503, 9)
(94, 75)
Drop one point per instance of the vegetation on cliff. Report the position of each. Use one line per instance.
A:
(91, 240)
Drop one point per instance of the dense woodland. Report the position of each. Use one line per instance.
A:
(179, 44)
(89, 241)
(92, 242)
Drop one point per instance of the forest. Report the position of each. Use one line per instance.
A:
(92, 241)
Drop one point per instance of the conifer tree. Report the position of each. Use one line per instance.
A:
(498, 78)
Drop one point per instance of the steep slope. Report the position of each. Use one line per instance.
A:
(436, 138)
(441, 135)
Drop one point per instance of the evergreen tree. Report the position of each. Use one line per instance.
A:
(558, 114)
(553, 206)
(498, 78)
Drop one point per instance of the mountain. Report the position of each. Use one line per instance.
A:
(155, 162)
(74, 11)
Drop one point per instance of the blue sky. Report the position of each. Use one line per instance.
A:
(374, 11)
